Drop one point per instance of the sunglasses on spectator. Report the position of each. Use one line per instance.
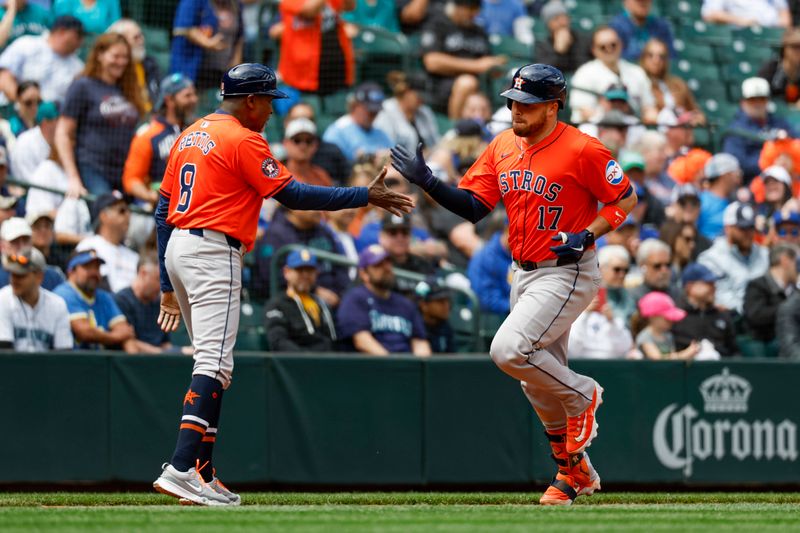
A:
(30, 103)
(304, 140)
(794, 232)
(398, 231)
(656, 55)
(688, 238)
(608, 47)
(122, 209)
(19, 259)
(620, 270)
(659, 266)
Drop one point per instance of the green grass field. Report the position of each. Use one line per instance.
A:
(403, 512)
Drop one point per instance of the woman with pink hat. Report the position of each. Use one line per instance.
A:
(653, 322)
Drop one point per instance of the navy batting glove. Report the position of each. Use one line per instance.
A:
(412, 167)
(573, 244)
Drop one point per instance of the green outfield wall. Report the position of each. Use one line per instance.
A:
(341, 420)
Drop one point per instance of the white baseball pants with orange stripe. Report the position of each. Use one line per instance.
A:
(206, 273)
(531, 344)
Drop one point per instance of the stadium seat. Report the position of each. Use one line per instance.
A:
(252, 315)
(162, 59)
(681, 9)
(694, 52)
(156, 39)
(379, 51)
(703, 138)
(742, 50)
(336, 103)
(181, 336)
(582, 8)
(250, 340)
(768, 36)
(718, 112)
(510, 47)
(699, 31)
(443, 122)
(739, 70)
(696, 70)
(587, 24)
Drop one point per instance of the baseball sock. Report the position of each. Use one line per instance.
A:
(199, 407)
(207, 443)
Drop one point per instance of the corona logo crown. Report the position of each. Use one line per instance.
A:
(725, 393)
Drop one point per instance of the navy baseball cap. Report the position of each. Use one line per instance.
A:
(791, 217)
(172, 85)
(391, 221)
(697, 272)
(371, 95)
(68, 22)
(83, 258)
(301, 258)
(431, 289)
(740, 215)
(372, 255)
(105, 201)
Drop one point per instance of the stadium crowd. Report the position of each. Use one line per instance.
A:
(705, 267)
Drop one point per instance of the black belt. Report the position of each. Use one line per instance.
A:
(527, 266)
(233, 243)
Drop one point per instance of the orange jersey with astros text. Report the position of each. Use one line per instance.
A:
(554, 185)
(217, 176)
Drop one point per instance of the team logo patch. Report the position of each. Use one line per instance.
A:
(614, 173)
(270, 168)
(518, 83)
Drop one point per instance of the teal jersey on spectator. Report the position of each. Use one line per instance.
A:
(95, 19)
(32, 20)
(378, 13)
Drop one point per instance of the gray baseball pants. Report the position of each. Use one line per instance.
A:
(531, 344)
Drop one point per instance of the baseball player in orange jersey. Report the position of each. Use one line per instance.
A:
(550, 177)
(219, 171)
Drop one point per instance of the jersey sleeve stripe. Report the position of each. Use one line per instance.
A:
(164, 193)
(279, 189)
(618, 198)
(481, 199)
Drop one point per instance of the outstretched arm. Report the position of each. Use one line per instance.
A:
(459, 201)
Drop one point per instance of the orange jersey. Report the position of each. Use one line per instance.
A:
(554, 185)
(217, 176)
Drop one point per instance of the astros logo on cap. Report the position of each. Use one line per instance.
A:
(518, 83)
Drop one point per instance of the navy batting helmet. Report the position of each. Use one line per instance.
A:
(537, 83)
(250, 78)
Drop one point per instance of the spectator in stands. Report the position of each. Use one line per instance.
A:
(490, 274)
(297, 320)
(26, 108)
(355, 133)
(328, 155)
(685, 209)
(783, 72)
(405, 118)
(653, 324)
(703, 320)
(95, 319)
(453, 156)
(786, 227)
(340, 221)
(681, 237)
(507, 18)
(49, 59)
(655, 263)
(766, 293)
(614, 261)
(112, 217)
(649, 210)
(32, 319)
(652, 146)
(376, 13)
(626, 235)
(15, 238)
(300, 227)
(669, 91)
(99, 117)
(723, 176)
(598, 333)
(140, 305)
(783, 153)
(777, 191)
(767, 13)
(478, 108)
(637, 26)
(752, 125)
(207, 39)
(310, 59)
(42, 233)
(455, 51)
(19, 18)
(734, 257)
(377, 320)
(433, 300)
(148, 74)
(300, 141)
(8, 206)
(687, 166)
(395, 238)
(96, 15)
(149, 150)
(565, 48)
(612, 130)
(592, 79)
(678, 131)
(787, 327)
(33, 145)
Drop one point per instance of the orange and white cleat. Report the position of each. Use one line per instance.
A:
(582, 429)
(576, 476)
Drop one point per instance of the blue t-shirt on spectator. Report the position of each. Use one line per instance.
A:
(497, 16)
(634, 36)
(186, 57)
(709, 224)
(353, 140)
(142, 316)
(101, 311)
(106, 125)
(53, 277)
(488, 274)
(369, 235)
(393, 321)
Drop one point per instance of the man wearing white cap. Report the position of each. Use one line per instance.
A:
(43, 234)
(301, 143)
(752, 125)
(15, 237)
(32, 319)
(734, 257)
(723, 175)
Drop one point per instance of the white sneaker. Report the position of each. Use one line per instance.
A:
(218, 486)
(188, 486)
